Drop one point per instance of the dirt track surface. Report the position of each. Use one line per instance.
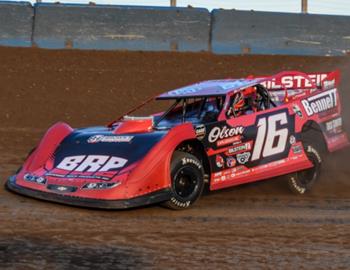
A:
(256, 226)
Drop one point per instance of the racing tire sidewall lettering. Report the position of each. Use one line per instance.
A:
(296, 180)
(180, 161)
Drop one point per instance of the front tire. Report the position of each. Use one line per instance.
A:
(187, 181)
(302, 181)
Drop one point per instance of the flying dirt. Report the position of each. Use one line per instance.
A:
(260, 225)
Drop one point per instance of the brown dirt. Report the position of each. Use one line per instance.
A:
(256, 226)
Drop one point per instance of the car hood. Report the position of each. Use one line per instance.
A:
(98, 153)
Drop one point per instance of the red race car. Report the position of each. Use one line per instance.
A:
(218, 133)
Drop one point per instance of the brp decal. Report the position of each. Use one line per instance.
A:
(91, 163)
(109, 139)
(320, 103)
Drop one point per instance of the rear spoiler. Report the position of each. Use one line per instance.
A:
(288, 80)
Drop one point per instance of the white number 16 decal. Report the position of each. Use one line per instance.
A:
(267, 128)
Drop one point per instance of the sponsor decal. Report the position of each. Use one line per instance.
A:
(320, 103)
(329, 84)
(91, 163)
(200, 131)
(243, 158)
(297, 149)
(227, 141)
(335, 125)
(109, 139)
(292, 139)
(296, 81)
(297, 110)
(221, 133)
(219, 161)
(243, 147)
(231, 162)
(35, 179)
(79, 176)
(184, 91)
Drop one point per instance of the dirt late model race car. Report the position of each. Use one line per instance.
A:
(218, 134)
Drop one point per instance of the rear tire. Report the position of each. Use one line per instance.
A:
(187, 181)
(302, 181)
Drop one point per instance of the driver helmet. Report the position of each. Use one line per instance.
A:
(238, 103)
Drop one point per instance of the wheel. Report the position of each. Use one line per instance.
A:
(302, 181)
(187, 181)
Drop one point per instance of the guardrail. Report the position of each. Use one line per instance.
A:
(107, 27)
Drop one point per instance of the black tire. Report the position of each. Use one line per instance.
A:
(187, 181)
(302, 181)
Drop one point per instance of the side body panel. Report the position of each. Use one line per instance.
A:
(254, 147)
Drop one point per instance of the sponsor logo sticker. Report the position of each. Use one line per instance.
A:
(225, 135)
(219, 161)
(242, 147)
(231, 162)
(243, 158)
(292, 139)
(335, 125)
(109, 139)
(297, 149)
(200, 131)
(320, 103)
(297, 110)
(91, 163)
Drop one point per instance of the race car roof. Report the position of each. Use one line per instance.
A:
(210, 88)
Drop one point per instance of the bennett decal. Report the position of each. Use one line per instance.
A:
(225, 132)
(320, 103)
(109, 139)
(91, 163)
(243, 158)
(200, 131)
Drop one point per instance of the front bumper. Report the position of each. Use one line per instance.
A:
(151, 198)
